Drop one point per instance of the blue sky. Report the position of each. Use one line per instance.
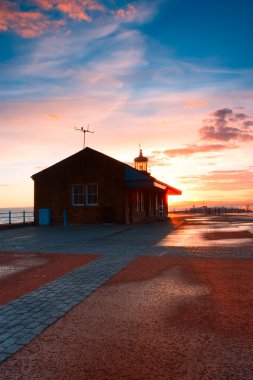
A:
(213, 31)
(175, 76)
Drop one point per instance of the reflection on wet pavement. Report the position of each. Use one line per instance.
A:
(210, 231)
(19, 265)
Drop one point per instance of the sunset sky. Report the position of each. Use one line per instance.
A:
(175, 76)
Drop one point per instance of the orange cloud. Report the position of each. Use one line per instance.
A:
(194, 149)
(75, 9)
(26, 24)
(127, 14)
(45, 4)
(195, 103)
(222, 180)
(54, 116)
(34, 22)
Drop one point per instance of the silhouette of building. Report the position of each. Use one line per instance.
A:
(91, 187)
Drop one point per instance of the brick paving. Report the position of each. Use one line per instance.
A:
(26, 317)
(154, 239)
(106, 239)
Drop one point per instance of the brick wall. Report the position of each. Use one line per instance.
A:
(53, 189)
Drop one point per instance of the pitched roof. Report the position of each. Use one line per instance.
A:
(133, 177)
(78, 156)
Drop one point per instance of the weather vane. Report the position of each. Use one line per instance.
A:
(84, 132)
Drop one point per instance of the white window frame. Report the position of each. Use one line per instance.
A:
(78, 194)
(92, 194)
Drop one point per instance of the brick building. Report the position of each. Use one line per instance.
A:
(91, 187)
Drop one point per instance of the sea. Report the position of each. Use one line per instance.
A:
(16, 215)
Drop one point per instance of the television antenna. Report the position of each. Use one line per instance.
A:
(84, 132)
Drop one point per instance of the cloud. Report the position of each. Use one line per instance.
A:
(27, 24)
(32, 18)
(158, 161)
(40, 167)
(248, 124)
(221, 180)
(140, 12)
(34, 21)
(225, 130)
(54, 116)
(226, 125)
(195, 103)
(190, 150)
(74, 9)
(128, 14)
(98, 66)
(111, 71)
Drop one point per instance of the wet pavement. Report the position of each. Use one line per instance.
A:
(199, 236)
(223, 231)
(223, 244)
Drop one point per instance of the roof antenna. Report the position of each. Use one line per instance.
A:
(140, 150)
(84, 132)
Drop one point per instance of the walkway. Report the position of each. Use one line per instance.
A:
(154, 239)
(26, 317)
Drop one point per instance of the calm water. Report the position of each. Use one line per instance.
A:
(16, 215)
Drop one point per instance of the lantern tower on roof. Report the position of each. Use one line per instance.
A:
(141, 162)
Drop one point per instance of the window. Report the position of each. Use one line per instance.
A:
(85, 195)
(78, 195)
(91, 194)
(150, 202)
(156, 202)
(137, 200)
(142, 201)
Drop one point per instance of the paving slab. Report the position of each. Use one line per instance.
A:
(31, 313)
(26, 317)
(159, 318)
(150, 239)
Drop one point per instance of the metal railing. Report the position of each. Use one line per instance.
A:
(16, 217)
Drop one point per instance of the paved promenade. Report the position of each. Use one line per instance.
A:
(154, 239)
(26, 317)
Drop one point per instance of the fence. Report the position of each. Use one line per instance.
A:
(14, 217)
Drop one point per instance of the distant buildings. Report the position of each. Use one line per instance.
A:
(218, 210)
(91, 187)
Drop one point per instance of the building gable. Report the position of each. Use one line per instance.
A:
(84, 160)
(91, 187)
